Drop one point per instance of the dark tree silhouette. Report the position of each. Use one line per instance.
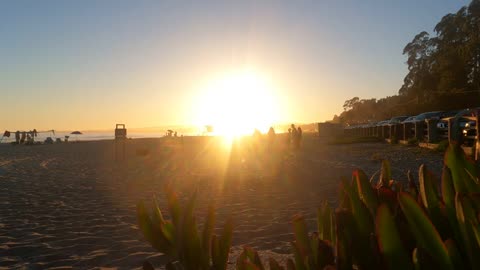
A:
(443, 72)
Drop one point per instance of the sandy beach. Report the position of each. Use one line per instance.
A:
(66, 206)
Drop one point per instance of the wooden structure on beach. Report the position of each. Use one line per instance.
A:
(329, 129)
(120, 141)
(424, 132)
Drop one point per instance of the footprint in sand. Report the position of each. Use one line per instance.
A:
(5, 162)
(44, 164)
(3, 166)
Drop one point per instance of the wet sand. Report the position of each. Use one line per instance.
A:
(73, 206)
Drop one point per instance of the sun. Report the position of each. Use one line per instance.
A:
(236, 103)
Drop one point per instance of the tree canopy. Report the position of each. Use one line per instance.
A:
(443, 72)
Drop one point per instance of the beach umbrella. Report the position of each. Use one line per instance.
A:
(76, 133)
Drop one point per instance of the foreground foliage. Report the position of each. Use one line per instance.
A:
(179, 238)
(382, 225)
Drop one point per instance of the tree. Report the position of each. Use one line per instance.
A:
(420, 80)
(443, 72)
(348, 104)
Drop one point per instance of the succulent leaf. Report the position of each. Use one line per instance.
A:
(246, 265)
(448, 190)
(423, 260)
(207, 233)
(274, 265)
(144, 221)
(298, 256)
(366, 192)
(389, 241)
(425, 233)
(301, 235)
(225, 242)
(465, 215)
(314, 245)
(448, 196)
(385, 174)
(174, 206)
(388, 196)
(343, 224)
(320, 221)
(191, 247)
(147, 266)
(157, 214)
(431, 200)
(454, 254)
(325, 255)
(291, 265)
(325, 222)
(457, 162)
(428, 188)
(216, 256)
(152, 232)
(249, 255)
(412, 187)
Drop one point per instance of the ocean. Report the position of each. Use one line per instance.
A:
(91, 136)
(134, 133)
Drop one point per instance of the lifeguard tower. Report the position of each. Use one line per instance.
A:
(120, 141)
(120, 132)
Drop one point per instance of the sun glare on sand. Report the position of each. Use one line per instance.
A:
(236, 103)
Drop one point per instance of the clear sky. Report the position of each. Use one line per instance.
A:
(91, 64)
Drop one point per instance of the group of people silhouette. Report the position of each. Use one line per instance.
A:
(171, 133)
(294, 137)
(25, 137)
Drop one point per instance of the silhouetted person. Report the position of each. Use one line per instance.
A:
(256, 140)
(17, 137)
(299, 137)
(293, 135)
(271, 137)
(271, 133)
(29, 138)
(289, 137)
(24, 136)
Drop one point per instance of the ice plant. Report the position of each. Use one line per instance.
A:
(180, 239)
(383, 225)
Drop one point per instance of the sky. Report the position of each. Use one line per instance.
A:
(71, 65)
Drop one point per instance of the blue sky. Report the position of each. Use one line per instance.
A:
(90, 64)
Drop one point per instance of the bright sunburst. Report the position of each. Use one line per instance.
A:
(237, 103)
